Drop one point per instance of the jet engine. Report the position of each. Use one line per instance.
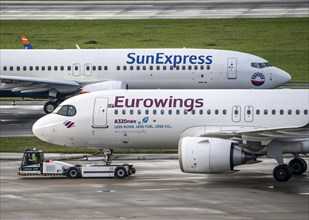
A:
(210, 155)
(100, 86)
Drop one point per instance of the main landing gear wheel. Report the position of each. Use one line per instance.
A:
(298, 166)
(49, 107)
(282, 173)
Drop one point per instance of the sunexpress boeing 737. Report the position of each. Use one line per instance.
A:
(215, 130)
(59, 74)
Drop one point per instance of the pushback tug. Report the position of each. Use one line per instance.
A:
(33, 164)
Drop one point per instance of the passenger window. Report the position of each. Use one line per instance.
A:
(162, 112)
(196, 67)
(49, 68)
(56, 68)
(94, 68)
(208, 112)
(170, 112)
(201, 111)
(131, 112)
(258, 111)
(69, 68)
(18, 68)
(123, 111)
(88, 68)
(118, 67)
(100, 68)
(144, 67)
(183, 67)
(185, 111)
(164, 67)
(11, 68)
(297, 112)
(171, 67)
(265, 112)
(177, 67)
(177, 112)
(105, 68)
(208, 67)
(189, 67)
(216, 111)
(146, 111)
(193, 112)
(158, 67)
(31, 68)
(273, 111)
(151, 67)
(76, 68)
(4, 68)
(154, 112)
(139, 111)
(305, 112)
(43, 68)
(25, 68)
(116, 112)
(281, 112)
(124, 67)
(289, 111)
(67, 110)
(224, 112)
(62, 68)
(138, 67)
(202, 67)
(131, 67)
(37, 68)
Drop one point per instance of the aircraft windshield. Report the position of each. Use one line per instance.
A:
(261, 65)
(67, 110)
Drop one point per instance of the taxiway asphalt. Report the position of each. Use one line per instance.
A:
(202, 9)
(159, 190)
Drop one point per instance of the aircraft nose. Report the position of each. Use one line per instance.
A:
(41, 128)
(282, 77)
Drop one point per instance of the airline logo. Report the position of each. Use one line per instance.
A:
(258, 79)
(170, 102)
(168, 59)
(69, 124)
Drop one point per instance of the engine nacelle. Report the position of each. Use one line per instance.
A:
(101, 86)
(210, 155)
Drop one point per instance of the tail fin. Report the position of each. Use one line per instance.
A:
(26, 43)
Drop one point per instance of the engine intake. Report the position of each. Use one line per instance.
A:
(210, 155)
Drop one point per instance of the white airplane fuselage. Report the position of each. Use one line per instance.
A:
(159, 118)
(145, 68)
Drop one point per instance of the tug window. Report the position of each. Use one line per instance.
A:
(67, 110)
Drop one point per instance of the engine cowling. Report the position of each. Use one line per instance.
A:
(101, 86)
(210, 155)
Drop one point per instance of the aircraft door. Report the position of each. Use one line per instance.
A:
(236, 113)
(88, 69)
(248, 113)
(100, 113)
(231, 68)
(76, 69)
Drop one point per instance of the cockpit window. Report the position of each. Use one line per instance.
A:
(261, 65)
(67, 110)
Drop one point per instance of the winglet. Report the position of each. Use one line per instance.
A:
(26, 43)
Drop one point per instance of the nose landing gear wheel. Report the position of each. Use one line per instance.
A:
(282, 173)
(49, 107)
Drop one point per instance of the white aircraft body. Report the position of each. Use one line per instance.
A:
(59, 74)
(214, 130)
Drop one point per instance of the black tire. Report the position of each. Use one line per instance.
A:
(282, 173)
(298, 166)
(73, 172)
(120, 172)
(49, 107)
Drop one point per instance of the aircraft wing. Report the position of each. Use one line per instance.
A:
(34, 84)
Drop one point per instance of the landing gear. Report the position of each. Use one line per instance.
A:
(50, 106)
(282, 173)
(298, 166)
